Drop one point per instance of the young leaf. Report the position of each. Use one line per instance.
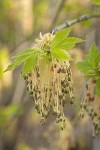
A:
(83, 66)
(91, 73)
(24, 53)
(30, 64)
(69, 43)
(97, 88)
(94, 56)
(59, 37)
(11, 67)
(20, 58)
(90, 62)
(27, 52)
(60, 55)
(17, 62)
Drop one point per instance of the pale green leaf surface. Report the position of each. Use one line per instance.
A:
(91, 61)
(60, 36)
(11, 67)
(20, 58)
(60, 55)
(73, 40)
(68, 46)
(69, 43)
(30, 64)
(17, 62)
(83, 66)
(93, 56)
(91, 73)
(23, 58)
(25, 52)
(97, 88)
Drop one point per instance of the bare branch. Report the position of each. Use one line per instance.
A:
(72, 22)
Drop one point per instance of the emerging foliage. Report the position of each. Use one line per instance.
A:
(90, 66)
(58, 45)
(63, 42)
(90, 104)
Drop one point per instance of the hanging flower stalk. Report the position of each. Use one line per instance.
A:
(90, 104)
(50, 82)
(47, 73)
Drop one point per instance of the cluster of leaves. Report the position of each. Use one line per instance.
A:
(58, 45)
(90, 66)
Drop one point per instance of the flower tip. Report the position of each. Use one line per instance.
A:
(41, 36)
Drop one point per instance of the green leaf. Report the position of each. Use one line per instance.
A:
(59, 37)
(30, 64)
(21, 57)
(24, 53)
(60, 55)
(90, 64)
(96, 2)
(83, 66)
(94, 56)
(69, 43)
(73, 40)
(11, 67)
(17, 62)
(97, 88)
(92, 73)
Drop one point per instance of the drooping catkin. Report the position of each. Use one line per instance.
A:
(49, 83)
(91, 105)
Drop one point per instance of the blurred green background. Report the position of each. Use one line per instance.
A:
(20, 23)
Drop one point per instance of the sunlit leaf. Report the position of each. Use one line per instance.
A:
(69, 43)
(90, 64)
(11, 67)
(83, 66)
(20, 58)
(60, 37)
(61, 55)
(94, 56)
(30, 64)
(17, 62)
(25, 52)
